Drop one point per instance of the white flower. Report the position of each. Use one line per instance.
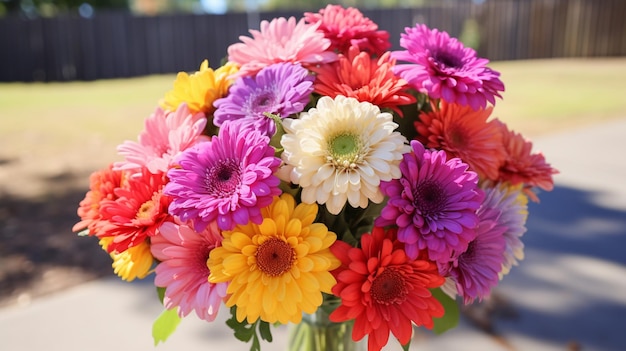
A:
(341, 150)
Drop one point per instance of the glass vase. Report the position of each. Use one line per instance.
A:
(317, 333)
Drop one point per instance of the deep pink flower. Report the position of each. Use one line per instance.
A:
(280, 40)
(228, 179)
(346, 27)
(183, 271)
(434, 204)
(476, 271)
(166, 134)
(443, 68)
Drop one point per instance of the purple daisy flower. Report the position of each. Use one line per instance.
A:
(443, 68)
(228, 179)
(476, 271)
(433, 204)
(281, 89)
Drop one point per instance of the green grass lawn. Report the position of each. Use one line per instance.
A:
(541, 96)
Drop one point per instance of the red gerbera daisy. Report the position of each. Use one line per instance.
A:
(346, 27)
(521, 166)
(102, 184)
(136, 213)
(464, 133)
(383, 290)
(366, 79)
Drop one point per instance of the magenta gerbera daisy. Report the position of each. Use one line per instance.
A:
(434, 204)
(346, 27)
(228, 179)
(443, 68)
(183, 271)
(282, 89)
(476, 271)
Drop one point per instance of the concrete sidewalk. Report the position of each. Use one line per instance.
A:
(569, 292)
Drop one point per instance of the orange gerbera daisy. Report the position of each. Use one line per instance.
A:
(364, 78)
(521, 166)
(200, 89)
(464, 133)
(102, 184)
(383, 290)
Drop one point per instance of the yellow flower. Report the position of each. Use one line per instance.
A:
(133, 263)
(277, 269)
(200, 89)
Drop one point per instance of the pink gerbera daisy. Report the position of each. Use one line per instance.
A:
(166, 134)
(464, 133)
(346, 27)
(434, 204)
(384, 290)
(366, 79)
(183, 270)
(522, 166)
(443, 68)
(281, 40)
(228, 179)
(136, 214)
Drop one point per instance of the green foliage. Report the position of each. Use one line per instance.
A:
(165, 325)
(451, 316)
(245, 331)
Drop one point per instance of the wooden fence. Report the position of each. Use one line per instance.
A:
(114, 45)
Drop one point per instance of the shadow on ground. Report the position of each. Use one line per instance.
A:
(570, 289)
(39, 254)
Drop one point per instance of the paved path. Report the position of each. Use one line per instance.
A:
(569, 292)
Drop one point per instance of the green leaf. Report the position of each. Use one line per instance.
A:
(245, 331)
(160, 293)
(266, 333)
(451, 315)
(165, 325)
(84, 232)
(407, 346)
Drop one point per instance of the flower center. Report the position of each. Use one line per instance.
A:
(275, 257)
(429, 198)
(389, 287)
(261, 102)
(224, 178)
(344, 151)
(457, 138)
(446, 59)
(145, 211)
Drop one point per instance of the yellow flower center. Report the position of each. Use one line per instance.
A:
(275, 257)
(345, 151)
(145, 210)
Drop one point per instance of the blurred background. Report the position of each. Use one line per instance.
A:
(77, 78)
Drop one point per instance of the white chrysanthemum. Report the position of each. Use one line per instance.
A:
(513, 205)
(341, 150)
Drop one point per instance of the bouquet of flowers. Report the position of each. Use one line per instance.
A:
(316, 172)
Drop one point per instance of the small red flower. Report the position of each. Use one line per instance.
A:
(102, 185)
(383, 290)
(522, 166)
(138, 211)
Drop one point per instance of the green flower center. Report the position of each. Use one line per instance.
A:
(345, 150)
